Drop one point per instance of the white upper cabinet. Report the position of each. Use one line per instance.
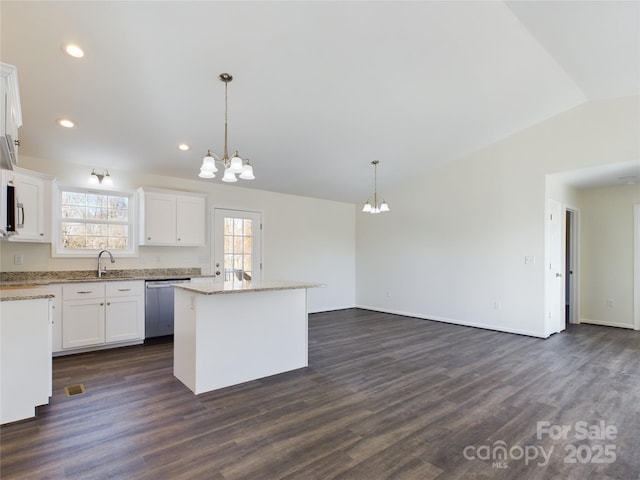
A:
(172, 218)
(32, 208)
(190, 220)
(157, 219)
(10, 115)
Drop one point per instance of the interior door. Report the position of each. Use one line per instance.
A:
(237, 251)
(554, 266)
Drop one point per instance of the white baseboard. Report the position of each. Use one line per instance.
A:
(606, 324)
(331, 309)
(456, 322)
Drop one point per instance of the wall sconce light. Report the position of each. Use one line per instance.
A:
(100, 178)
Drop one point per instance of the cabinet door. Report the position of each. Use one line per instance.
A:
(125, 319)
(190, 220)
(5, 97)
(10, 110)
(30, 224)
(25, 358)
(56, 317)
(83, 323)
(159, 214)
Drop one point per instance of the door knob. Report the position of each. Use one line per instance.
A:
(558, 275)
(218, 272)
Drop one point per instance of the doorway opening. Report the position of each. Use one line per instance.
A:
(636, 268)
(571, 267)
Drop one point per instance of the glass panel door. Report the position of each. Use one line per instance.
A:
(236, 245)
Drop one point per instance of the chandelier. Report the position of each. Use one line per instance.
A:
(375, 208)
(233, 166)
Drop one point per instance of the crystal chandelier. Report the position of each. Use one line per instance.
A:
(233, 166)
(375, 208)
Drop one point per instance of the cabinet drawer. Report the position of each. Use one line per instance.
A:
(125, 289)
(82, 291)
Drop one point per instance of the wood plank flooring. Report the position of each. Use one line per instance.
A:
(384, 397)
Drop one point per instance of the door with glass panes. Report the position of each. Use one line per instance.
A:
(236, 245)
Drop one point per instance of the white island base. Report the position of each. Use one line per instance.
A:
(226, 336)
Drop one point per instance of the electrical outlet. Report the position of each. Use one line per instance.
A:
(610, 303)
(18, 259)
(388, 294)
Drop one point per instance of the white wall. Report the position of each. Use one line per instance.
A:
(303, 238)
(453, 248)
(606, 255)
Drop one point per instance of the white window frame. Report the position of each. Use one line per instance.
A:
(57, 250)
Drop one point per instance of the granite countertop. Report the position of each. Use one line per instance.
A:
(10, 279)
(211, 288)
(24, 293)
(31, 285)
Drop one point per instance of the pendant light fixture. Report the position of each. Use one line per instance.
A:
(233, 166)
(375, 208)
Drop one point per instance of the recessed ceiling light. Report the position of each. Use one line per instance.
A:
(184, 147)
(73, 50)
(66, 123)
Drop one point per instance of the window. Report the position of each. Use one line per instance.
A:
(89, 221)
(238, 234)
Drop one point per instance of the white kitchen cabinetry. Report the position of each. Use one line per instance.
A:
(33, 205)
(190, 220)
(83, 314)
(125, 311)
(25, 357)
(98, 314)
(171, 218)
(10, 115)
(56, 317)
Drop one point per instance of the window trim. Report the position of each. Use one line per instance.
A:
(58, 251)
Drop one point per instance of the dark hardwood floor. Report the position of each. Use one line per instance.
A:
(384, 397)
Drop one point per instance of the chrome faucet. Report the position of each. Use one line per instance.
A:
(102, 269)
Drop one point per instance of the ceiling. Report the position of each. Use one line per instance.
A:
(320, 89)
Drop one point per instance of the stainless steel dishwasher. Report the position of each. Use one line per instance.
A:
(158, 302)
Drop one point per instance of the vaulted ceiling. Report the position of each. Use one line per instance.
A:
(320, 89)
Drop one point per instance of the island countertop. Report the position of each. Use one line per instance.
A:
(8, 293)
(211, 288)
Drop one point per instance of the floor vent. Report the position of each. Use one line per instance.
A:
(74, 390)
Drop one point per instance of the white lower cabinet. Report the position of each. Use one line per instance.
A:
(83, 314)
(125, 311)
(101, 313)
(25, 358)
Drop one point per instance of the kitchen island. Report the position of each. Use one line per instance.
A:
(25, 351)
(233, 332)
